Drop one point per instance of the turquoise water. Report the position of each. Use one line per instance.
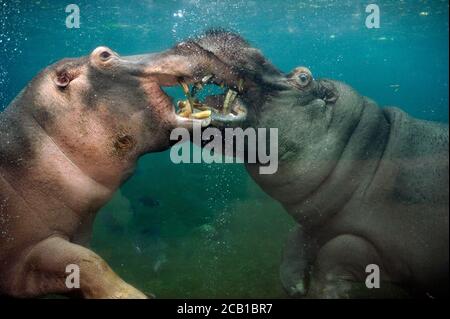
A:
(197, 230)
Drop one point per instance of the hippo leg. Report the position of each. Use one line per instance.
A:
(43, 271)
(339, 271)
(298, 255)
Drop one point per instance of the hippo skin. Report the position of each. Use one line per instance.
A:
(67, 142)
(367, 185)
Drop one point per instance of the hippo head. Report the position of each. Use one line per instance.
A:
(118, 92)
(103, 111)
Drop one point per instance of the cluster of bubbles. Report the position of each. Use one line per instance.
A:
(3, 84)
(199, 15)
(10, 35)
(10, 42)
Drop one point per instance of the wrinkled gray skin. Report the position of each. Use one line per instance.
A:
(367, 185)
(67, 142)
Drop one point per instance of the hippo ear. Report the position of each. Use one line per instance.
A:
(327, 91)
(62, 79)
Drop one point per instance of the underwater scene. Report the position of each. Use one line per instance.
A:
(218, 230)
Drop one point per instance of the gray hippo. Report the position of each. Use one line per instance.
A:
(368, 186)
(67, 142)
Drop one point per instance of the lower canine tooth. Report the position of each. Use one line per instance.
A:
(229, 99)
(190, 100)
(185, 113)
(201, 115)
(185, 106)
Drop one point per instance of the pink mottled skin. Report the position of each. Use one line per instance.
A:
(67, 142)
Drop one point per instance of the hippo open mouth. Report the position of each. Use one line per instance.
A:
(223, 110)
(185, 65)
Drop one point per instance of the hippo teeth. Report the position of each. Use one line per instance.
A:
(192, 108)
(187, 112)
(195, 109)
(229, 99)
(201, 115)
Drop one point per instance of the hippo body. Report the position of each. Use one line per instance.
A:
(367, 185)
(383, 201)
(67, 142)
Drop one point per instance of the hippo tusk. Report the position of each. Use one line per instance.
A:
(201, 115)
(227, 112)
(229, 99)
(189, 104)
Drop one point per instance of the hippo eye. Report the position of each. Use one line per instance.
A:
(105, 55)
